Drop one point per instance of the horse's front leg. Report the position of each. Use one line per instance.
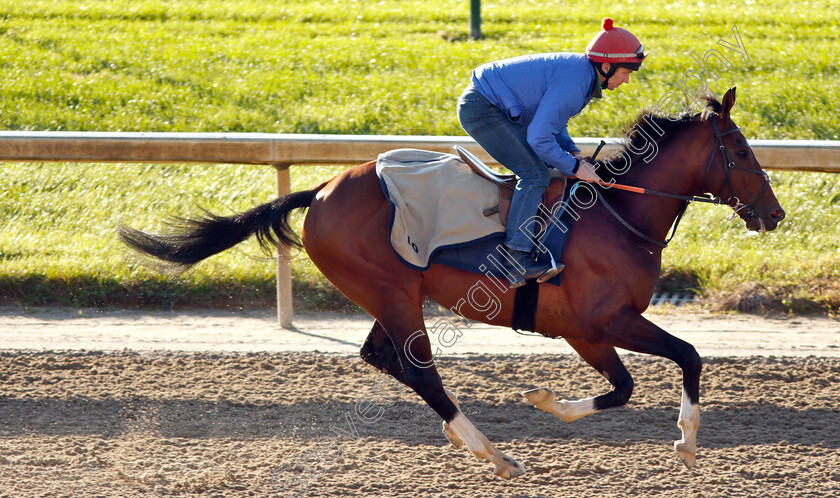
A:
(606, 361)
(633, 332)
(688, 422)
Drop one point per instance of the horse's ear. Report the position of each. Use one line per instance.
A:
(728, 101)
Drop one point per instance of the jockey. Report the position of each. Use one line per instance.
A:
(518, 110)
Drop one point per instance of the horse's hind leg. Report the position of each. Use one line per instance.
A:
(408, 334)
(633, 332)
(604, 359)
(378, 351)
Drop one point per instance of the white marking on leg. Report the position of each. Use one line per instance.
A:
(567, 411)
(474, 439)
(506, 466)
(688, 422)
(452, 397)
(447, 430)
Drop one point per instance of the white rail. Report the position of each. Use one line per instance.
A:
(285, 149)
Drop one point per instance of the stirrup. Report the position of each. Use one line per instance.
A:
(544, 275)
(551, 272)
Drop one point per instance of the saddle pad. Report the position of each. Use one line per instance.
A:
(437, 202)
(482, 256)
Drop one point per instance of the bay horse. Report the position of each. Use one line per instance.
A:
(608, 281)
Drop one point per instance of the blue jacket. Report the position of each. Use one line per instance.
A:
(541, 92)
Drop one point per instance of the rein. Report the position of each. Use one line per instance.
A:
(728, 166)
(641, 235)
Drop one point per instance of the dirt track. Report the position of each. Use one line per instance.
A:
(152, 423)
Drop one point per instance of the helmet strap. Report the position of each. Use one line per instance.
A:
(607, 75)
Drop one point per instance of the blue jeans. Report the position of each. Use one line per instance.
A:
(506, 141)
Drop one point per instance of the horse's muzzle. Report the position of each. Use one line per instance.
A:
(758, 223)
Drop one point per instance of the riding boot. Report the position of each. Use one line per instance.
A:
(525, 267)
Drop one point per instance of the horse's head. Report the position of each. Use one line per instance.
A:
(734, 175)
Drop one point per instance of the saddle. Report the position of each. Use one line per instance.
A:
(507, 183)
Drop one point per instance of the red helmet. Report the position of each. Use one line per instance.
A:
(615, 45)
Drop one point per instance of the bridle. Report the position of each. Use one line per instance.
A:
(733, 201)
(728, 166)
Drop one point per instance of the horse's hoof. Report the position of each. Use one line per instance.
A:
(509, 468)
(685, 453)
(541, 398)
(452, 437)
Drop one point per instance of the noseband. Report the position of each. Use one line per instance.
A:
(733, 201)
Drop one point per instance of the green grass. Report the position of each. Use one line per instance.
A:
(389, 67)
(382, 67)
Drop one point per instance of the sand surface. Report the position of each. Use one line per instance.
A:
(227, 404)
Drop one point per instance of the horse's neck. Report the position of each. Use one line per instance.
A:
(677, 168)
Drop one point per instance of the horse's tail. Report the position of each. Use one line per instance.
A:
(194, 239)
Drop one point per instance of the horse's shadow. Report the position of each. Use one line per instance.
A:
(410, 423)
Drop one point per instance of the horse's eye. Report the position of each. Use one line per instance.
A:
(742, 153)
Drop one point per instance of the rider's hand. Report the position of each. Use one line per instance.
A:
(586, 172)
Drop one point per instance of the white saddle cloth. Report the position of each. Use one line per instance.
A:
(437, 201)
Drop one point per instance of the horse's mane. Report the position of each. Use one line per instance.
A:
(650, 124)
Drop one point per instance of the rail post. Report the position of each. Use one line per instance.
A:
(284, 262)
(475, 19)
